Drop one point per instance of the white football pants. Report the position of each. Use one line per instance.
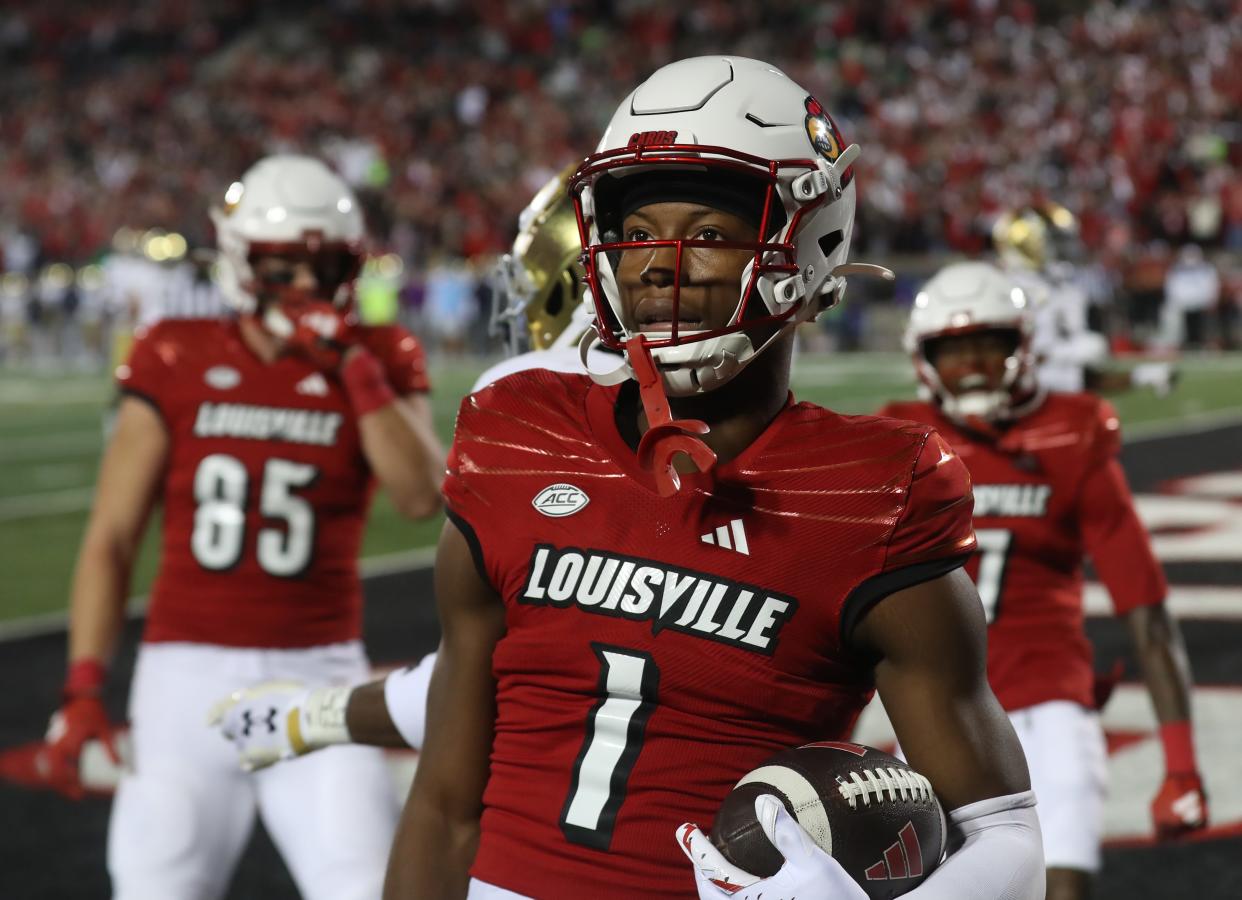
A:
(182, 818)
(1065, 751)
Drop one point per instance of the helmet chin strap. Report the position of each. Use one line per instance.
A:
(978, 411)
(665, 437)
(276, 322)
(589, 339)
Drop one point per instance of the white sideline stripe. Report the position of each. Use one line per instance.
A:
(1194, 423)
(39, 447)
(370, 567)
(1184, 602)
(45, 503)
(48, 392)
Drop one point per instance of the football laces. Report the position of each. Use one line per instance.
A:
(884, 785)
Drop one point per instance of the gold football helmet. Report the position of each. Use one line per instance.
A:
(538, 285)
(1035, 236)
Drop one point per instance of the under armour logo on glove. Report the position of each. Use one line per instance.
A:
(247, 723)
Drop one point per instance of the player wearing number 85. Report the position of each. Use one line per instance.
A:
(1048, 492)
(262, 436)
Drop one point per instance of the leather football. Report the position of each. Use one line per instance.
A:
(875, 815)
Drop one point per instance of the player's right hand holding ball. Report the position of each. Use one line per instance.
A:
(808, 871)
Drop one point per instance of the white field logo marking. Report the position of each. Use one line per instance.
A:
(561, 499)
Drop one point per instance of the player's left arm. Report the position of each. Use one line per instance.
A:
(397, 434)
(927, 636)
(438, 834)
(930, 642)
(1121, 551)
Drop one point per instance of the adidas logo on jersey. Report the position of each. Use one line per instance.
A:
(728, 537)
(627, 587)
(1013, 500)
(313, 385)
(903, 859)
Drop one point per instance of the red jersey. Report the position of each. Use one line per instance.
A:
(1048, 492)
(266, 489)
(657, 649)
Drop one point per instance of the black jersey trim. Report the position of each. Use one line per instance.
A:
(145, 398)
(472, 539)
(870, 592)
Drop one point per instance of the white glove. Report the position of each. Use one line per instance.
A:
(280, 720)
(808, 873)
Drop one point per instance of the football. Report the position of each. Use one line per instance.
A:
(874, 814)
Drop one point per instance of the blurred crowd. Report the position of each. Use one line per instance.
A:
(447, 115)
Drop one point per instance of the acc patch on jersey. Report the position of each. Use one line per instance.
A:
(560, 499)
(222, 378)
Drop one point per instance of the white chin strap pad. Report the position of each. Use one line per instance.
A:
(982, 404)
(621, 373)
(277, 322)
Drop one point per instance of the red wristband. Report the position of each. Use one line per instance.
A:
(85, 678)
(1179, 748)
(365, 384)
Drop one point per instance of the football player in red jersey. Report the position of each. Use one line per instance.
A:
(538, 292)
(262, 437)
(1048, 492)
(638, 609)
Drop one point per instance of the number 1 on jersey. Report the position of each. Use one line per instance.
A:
(628, 684)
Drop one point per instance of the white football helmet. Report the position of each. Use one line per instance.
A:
(723, 115)
(288, 205)
(969, 297)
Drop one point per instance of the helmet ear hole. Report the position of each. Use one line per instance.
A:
(829, 242)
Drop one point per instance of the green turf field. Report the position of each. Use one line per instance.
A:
(51, 435)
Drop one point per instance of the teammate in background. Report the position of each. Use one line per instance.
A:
(539, 311)
(263, 437)
(538, 286)
(1036, 247)
(615, 584)
(1048, 491)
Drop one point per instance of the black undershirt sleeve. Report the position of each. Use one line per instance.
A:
(472, 539)
(145, 398)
